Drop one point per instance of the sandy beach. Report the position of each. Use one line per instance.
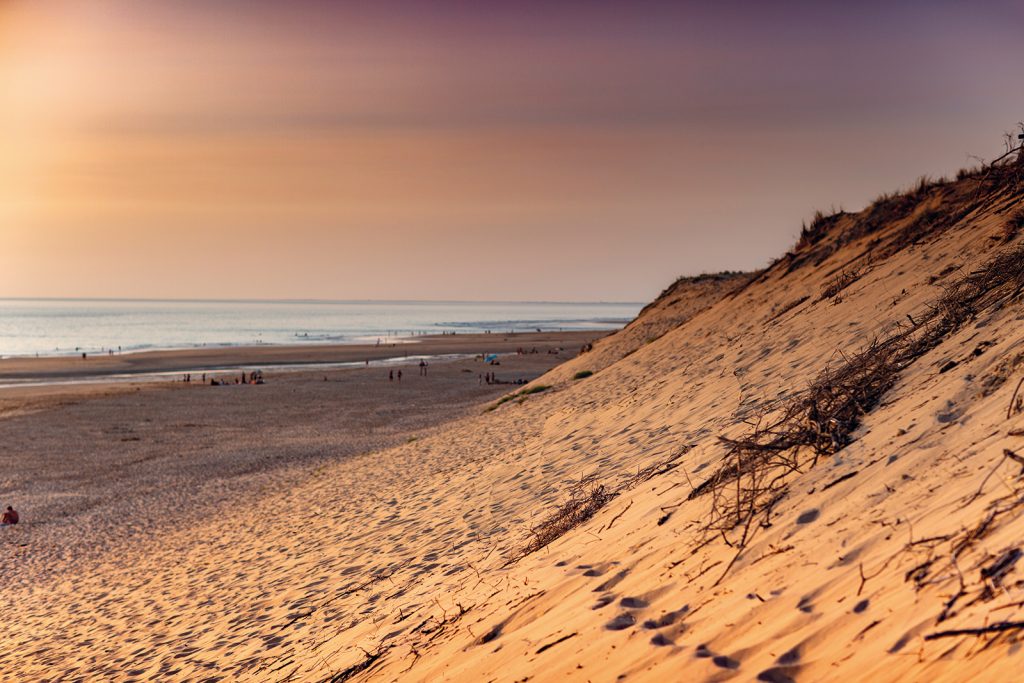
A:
(98, 465)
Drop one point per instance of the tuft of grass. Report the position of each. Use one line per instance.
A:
(520, 395)
(583, 374)
(819, 227)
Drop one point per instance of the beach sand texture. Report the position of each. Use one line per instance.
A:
(405, 563)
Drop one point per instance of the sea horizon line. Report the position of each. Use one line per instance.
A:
(317, 301)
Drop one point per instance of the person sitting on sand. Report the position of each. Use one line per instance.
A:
(10, 516)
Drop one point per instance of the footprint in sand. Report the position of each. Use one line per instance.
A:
(805, 605)
(623, 621)
(861, 606)
(661, 641)
(778, 675)
(809, 516)
(492, 634)
(633, 603)
(604, 601)
(666, 619)
(724, 662)
(612, 582)
(791, 656)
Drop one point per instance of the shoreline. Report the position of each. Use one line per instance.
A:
(22, 371)
(214, 372)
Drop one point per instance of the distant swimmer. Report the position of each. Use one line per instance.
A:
(9, 517)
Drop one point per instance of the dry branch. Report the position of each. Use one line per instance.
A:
(821, 420)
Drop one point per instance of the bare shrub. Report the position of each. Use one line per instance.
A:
(585, 498)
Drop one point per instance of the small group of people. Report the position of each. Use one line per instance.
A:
(9, 517)
(490, 378)
(254, 377)
(393, 374)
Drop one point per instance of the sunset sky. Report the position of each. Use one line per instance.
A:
(468, 150)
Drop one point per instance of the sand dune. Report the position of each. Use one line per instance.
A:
(890, 554)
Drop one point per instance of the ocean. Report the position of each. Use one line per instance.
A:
(70, 326)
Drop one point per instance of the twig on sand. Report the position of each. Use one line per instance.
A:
(616, 517)
(1014, 457)
(981, 489)
(1013, 399)
(864, 578)
(998, 627)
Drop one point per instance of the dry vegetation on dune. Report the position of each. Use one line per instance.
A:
(820, 421)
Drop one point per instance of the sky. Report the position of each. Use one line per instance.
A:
(469, 150)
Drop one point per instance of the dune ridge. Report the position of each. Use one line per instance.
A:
(884, 546)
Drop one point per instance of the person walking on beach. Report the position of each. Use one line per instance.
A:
(399, 375)
(9, 517)
(391, 375)
(423, 368)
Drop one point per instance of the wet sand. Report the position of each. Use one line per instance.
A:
(214, 358)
